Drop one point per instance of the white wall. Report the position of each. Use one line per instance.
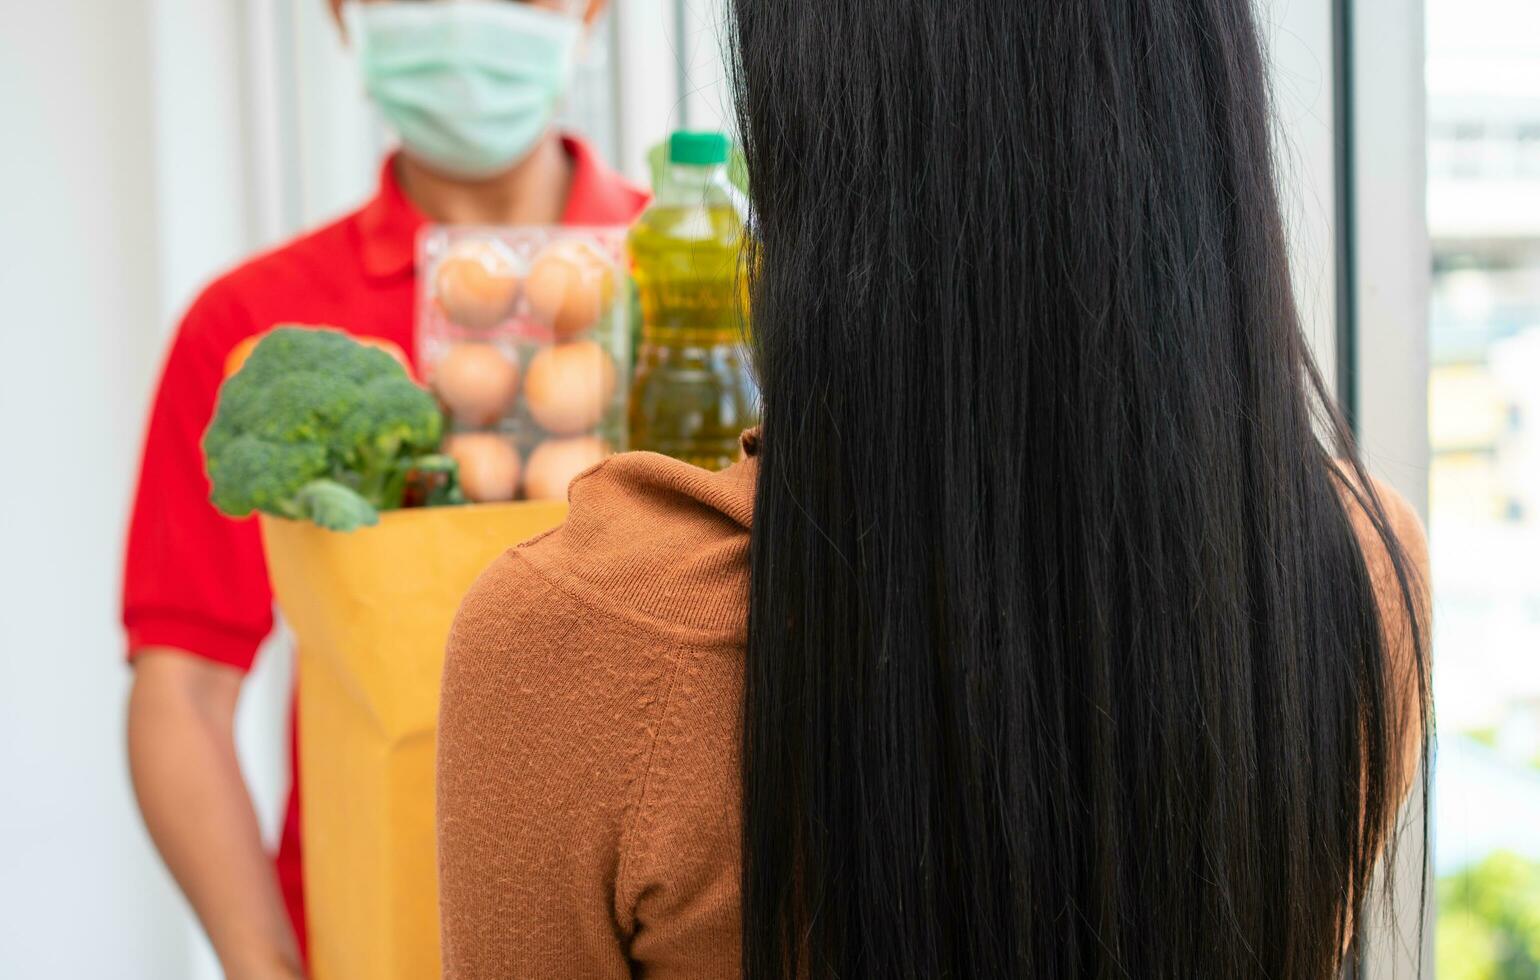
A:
(81, 895)
(647, 78)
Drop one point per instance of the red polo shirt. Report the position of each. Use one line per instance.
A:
(196, 580)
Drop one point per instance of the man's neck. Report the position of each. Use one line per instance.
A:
(534, 192)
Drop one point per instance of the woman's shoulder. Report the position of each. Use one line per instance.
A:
(1378, 511)
(649, 542)
(651, 560)
(587, 740)
(648, 572)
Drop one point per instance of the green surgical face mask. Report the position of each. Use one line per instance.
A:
(468, 85)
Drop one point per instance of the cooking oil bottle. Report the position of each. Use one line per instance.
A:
(692, 394)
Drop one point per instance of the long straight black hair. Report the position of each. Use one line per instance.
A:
(1063, 657)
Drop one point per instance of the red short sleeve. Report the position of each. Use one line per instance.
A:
(193, 579)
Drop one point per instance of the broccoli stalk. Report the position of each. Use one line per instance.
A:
(332, 505)
(319, 427)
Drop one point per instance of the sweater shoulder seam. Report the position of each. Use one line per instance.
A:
(636, 625)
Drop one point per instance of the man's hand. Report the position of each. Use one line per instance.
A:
(181, 751)
(281, 971)
(271, 971)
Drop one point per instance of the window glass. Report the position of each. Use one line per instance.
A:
(1483, 75)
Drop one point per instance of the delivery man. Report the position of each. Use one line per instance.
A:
(470, 88)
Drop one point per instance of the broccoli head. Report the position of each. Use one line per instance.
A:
(316, 426)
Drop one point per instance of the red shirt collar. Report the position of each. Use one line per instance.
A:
(599, 196)
(388, 224)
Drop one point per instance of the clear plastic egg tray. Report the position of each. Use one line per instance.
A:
(524, 336)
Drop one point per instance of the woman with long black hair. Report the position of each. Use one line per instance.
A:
(1052, 627)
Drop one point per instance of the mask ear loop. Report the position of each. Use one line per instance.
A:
(578, 10)
(590, 58)
(345, 17)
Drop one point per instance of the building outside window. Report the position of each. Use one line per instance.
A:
(1483, 77)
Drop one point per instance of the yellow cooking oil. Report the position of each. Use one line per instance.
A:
(692, 394)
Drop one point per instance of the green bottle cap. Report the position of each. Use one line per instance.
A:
(697, 149)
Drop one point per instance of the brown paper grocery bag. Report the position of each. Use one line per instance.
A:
(370, 613)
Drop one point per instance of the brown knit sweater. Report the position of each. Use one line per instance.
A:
(589, 741)
(588, 744)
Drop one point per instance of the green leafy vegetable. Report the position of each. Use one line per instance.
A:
(1489, 920)
(316, 426)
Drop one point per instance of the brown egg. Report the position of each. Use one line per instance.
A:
(555, 463)
(476, 383)
(489, 465)
(477, 284)
(568, 387)
(571, 285)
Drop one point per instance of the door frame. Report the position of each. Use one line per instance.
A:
(1384, 265)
